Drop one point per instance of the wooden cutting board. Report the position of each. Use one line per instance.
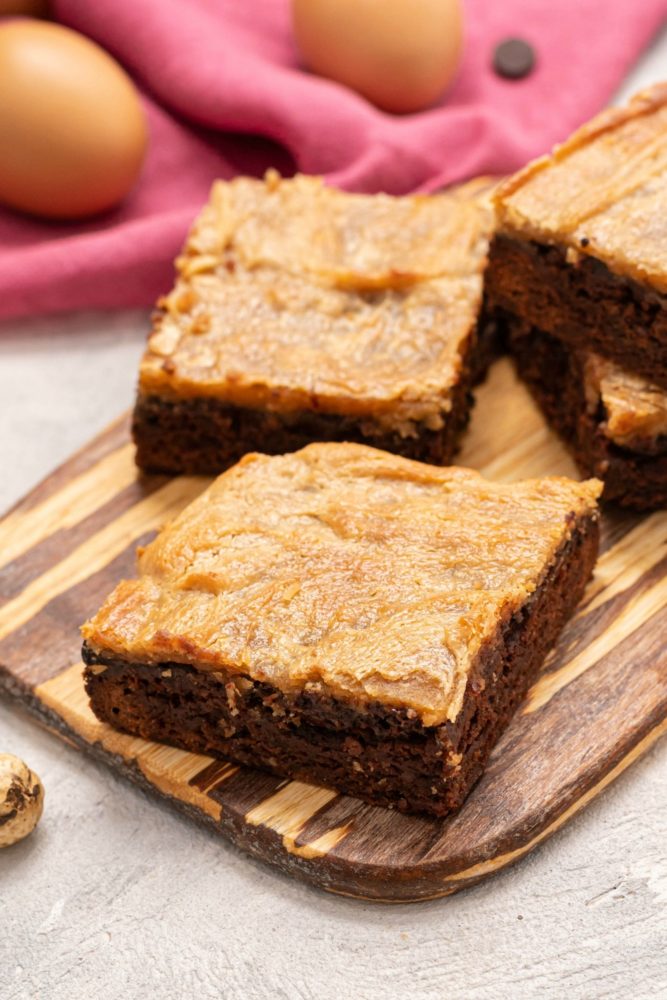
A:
(600, 702)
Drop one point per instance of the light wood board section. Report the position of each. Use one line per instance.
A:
(599, 703)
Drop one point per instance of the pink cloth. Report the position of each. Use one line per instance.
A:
(211, 69)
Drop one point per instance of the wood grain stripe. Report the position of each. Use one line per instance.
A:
(505, 412)
(634, 555)
(622, 569)
(168, 769)
(289, 810)
(23, 529)
(115, 436)
(321, 846)
(633, 616)
(478, 871)
(213, 775)
(98, 551)
(529, 457)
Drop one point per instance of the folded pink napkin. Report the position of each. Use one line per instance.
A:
(224, 94)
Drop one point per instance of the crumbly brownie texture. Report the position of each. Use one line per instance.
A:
(302, 311)
(582, 302)
(581, 246)
(206, 435)
(614, 423)
(347, 616)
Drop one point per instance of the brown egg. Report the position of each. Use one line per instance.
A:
(400, 54)
(73, 131)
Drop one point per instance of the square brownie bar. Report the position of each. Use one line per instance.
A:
(347, 617)
(581, 246)
(303, 313)
(613, 421)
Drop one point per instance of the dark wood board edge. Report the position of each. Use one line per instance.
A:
(114, 435)
(361, 882)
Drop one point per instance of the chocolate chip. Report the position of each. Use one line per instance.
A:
(513, 58)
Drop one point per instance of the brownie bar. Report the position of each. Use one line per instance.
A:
(579, 249)
(302, 313)
(556, 378)
(345, 615)
(383, 755)
(583, 303)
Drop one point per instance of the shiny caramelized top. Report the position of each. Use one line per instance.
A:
(294, 295)
(635, 409)
(603, 192)
(339, 566)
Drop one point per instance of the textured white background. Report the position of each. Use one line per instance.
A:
(117, 896)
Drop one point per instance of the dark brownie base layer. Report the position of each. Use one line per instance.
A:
(383, 755)
(203, 435)
(554, 374)
(584, 304)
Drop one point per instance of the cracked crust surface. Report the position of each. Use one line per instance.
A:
(602, 193)
(370, 576)
(292, 296)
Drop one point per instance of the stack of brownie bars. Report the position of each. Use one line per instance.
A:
(578, 268)
(332, 609)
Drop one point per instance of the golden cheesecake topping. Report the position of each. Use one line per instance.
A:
(635, 409)
(602, 193)
(368, 575)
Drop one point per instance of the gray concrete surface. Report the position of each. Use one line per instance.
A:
(117, 897)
